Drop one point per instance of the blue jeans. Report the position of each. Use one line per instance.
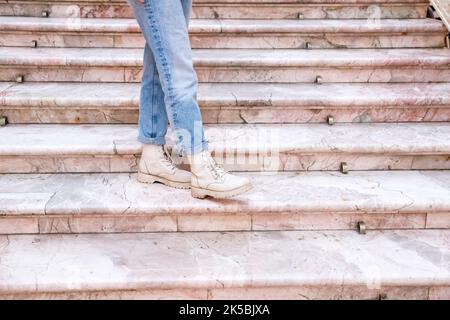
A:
(169, 81)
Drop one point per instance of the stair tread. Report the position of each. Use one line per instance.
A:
(290, 193)
(120, 57)
(126, 95)
(223, 260)
(366, 138)
(226, 26)
(254, 1)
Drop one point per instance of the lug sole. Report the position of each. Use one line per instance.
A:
(203, 193)
(149, 178)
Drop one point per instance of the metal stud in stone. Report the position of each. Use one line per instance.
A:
(20, 79)
(308, 45)
(330, 120)
(382, 296)
(3, 121)
(301, 16)
(361, 227)
(45, 14)
(344, 167)
(431, 12)
(34, 43)
(319, 80)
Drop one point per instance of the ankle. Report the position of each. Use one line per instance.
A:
(151, 150)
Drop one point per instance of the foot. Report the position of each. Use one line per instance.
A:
(210, 179)
(156, 165)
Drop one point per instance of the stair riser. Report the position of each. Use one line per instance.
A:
(261, 163)
(132, 223)
(233, 74)
(226, 114)
(324, 292)
(312, 11)
(349, 265)
(234, 41)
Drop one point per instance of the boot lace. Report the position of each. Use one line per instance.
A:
(168, 161)
(217, 170)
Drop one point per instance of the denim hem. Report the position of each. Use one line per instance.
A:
(158, 141)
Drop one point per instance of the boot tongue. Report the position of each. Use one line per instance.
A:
(217, 168)
(168, 159)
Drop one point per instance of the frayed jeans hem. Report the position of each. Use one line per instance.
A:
(158, 141)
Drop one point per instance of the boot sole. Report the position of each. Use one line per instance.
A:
(203, 193)
(149, 178)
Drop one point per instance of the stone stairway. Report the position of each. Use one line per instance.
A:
(308, 265)
(338, 110)
(260, 147)
(114, 103)
(228, 33)
(228, 9)
(106, 203)
(232, 65)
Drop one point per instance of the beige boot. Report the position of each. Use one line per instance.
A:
(209, 179)
(156, 165)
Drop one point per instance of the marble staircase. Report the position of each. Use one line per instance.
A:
(106, 203)
(236, 103)
(232, 65)
(337, 110)
(249, 147)
(227, 9)
(203, 265)
(228, 33)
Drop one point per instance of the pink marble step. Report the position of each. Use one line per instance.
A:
(116, 203)
(262, 147)
(124, 33)
(308, 265)
(310, 9)
(232, 65)
(232, 103)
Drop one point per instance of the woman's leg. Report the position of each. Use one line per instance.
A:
(152, 114)
(152, 111)
(165, 28)
(164, 24)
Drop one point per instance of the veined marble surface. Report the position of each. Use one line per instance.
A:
(239, 73)
(228, 9)
(226, 26)
(401, 138)
(273, 293)
(232, 65)
(271, 147)
(443, 9)
(313, 192)
(223, 260)
(228, 33)
(276, 2)
(109, 203)
(232, 103)
(109, 95)
(231, 57)
(266, 293)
